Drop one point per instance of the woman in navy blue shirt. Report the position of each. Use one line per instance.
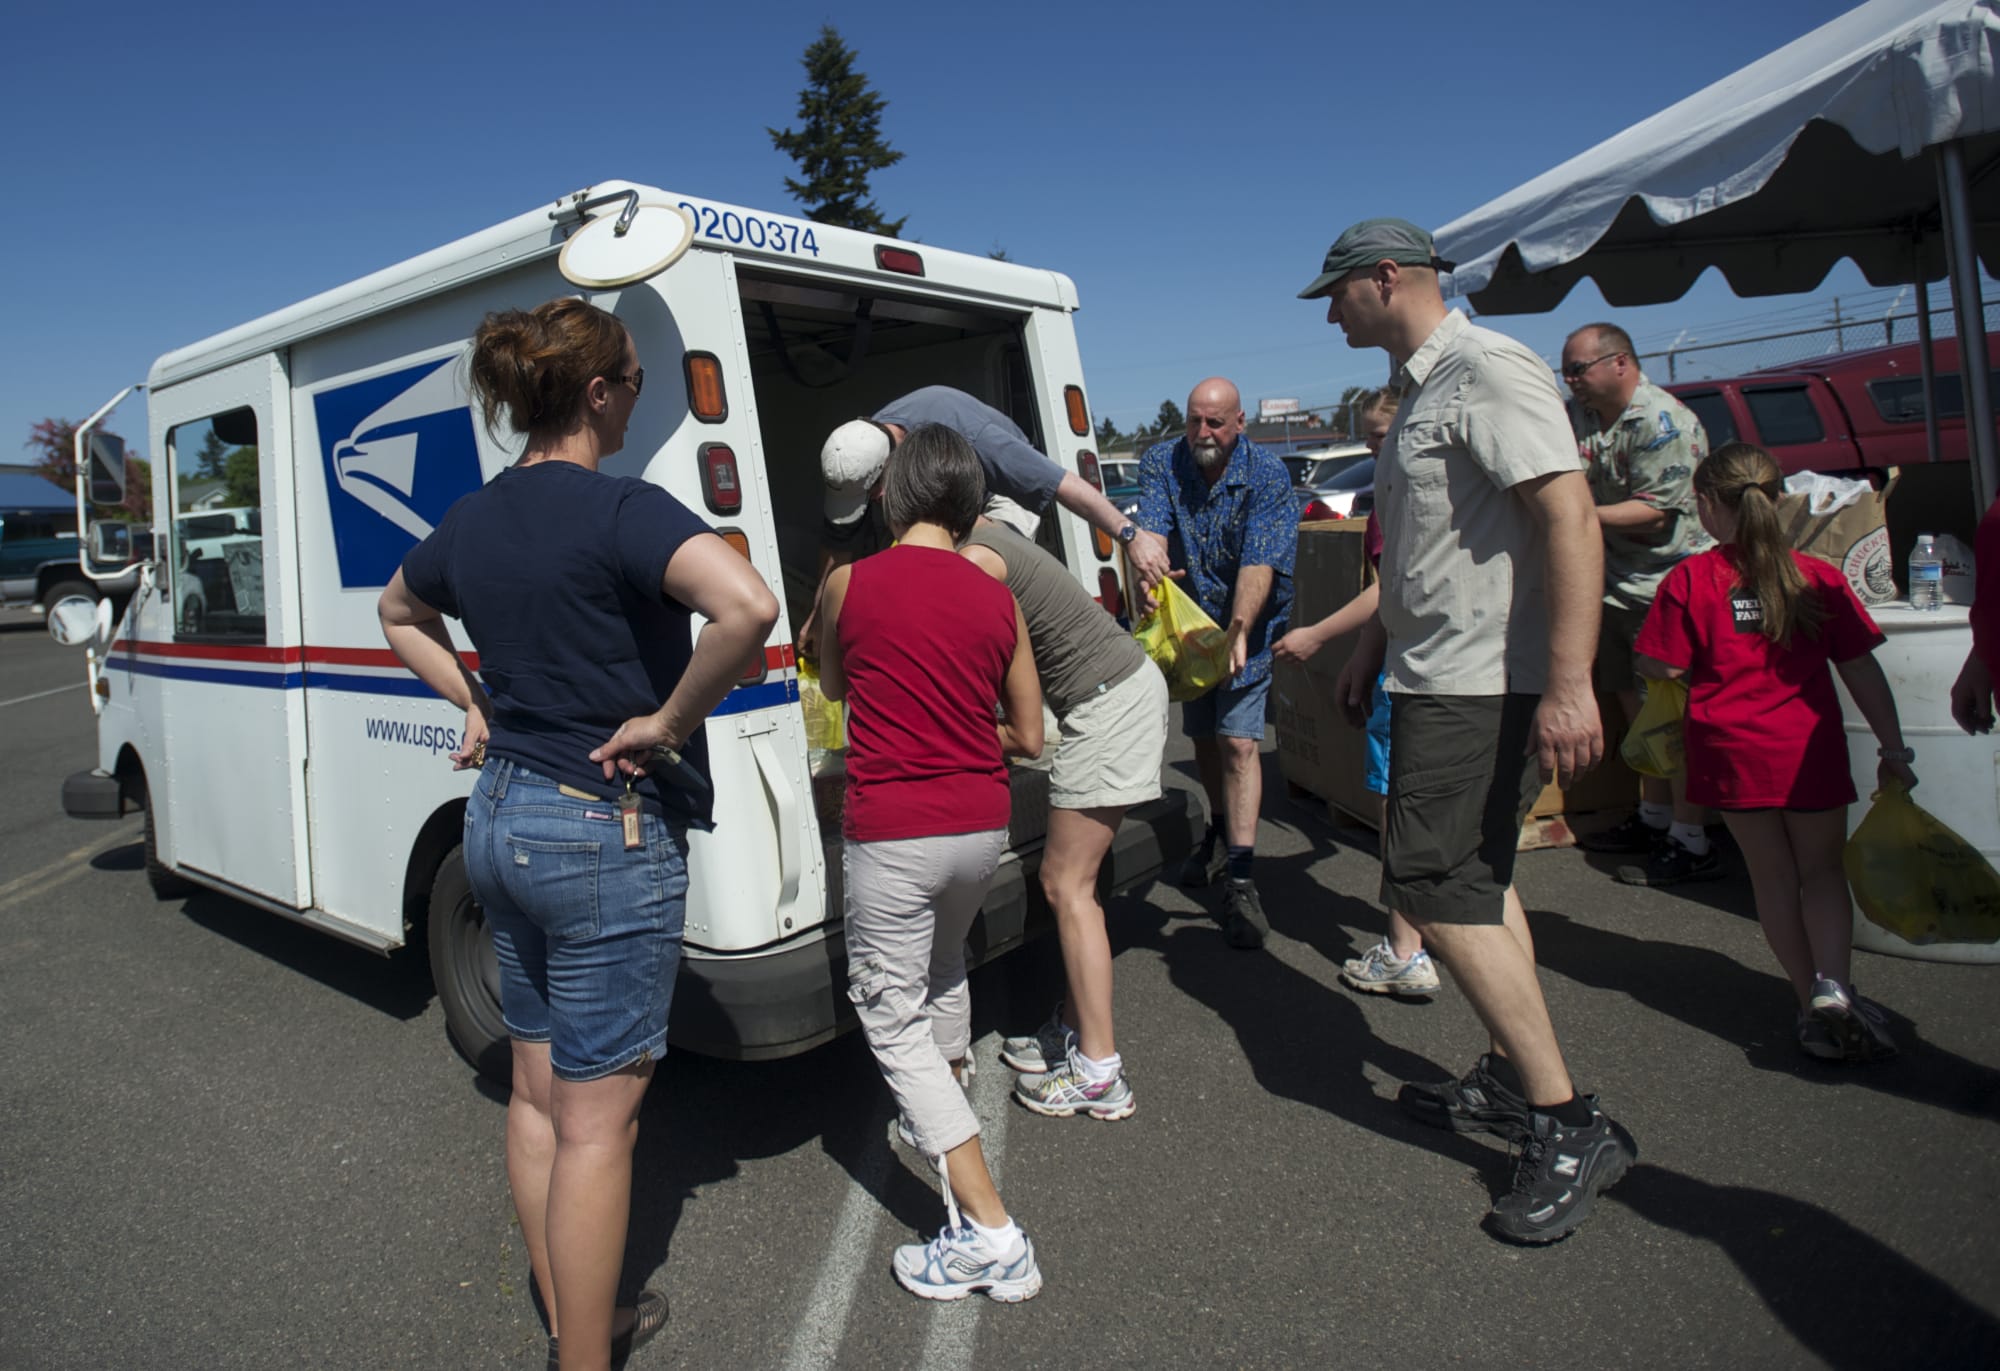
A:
(577, 590)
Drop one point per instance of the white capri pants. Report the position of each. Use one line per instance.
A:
(909, 904)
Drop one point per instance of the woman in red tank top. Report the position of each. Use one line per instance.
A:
(923, 645)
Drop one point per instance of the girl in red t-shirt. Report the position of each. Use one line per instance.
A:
(1751, 625)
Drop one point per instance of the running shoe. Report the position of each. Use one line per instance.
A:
(1816, 1039)
(1634, 836)
(1474, 1103)
(1858, 1025)
(1069, 1090)
(1204, 864)
(1243, 921)
(1380, 973)
(1042, 1050)
(959, 1262)
(1558, 1174)
(1670, 864)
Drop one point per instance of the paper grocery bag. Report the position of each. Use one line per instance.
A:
(1843, 522)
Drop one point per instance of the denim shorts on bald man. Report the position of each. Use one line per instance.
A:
(1228, 711)
(588, 935)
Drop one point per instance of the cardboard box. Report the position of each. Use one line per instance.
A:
(1319, 751)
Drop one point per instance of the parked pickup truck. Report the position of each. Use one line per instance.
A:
(1855, 414)
(39, 562)
(1849, 413)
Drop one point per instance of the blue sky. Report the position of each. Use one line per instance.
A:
(174, 171)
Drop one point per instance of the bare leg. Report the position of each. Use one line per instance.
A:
(1497, 976)
(1774, 883)
(1208, 764)
(1685, 813)
(1515, 920)
(590, 1205)
(1077, 842)
(1243, 786)
(1826, 909)
(972, 1184)
(531, 1152)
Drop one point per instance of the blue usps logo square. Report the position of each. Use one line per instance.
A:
(397, 450)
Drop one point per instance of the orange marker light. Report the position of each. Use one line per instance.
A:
(1079, 416)
(704, 387)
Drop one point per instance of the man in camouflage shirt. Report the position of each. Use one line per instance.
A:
(1640, 446)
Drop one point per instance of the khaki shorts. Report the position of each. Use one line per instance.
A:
(1112, 746)
(1461, 781)
(1616, 669)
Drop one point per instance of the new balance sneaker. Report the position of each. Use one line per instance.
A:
(1204, 864)
(1044, 1049)
(1559, 1173)
(958, 1262)
(1474, 1103)
(1634, 835)
(1243, 921)
(1380, 973)
(1670, 863)
(1859, 1026)
(1069, 1090)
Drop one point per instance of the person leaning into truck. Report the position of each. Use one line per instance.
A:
(578, 590)
(1110, 704)
(1641, 445)
(1020, 482)
(1228, 505)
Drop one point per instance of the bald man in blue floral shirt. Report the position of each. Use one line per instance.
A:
(1227, 510)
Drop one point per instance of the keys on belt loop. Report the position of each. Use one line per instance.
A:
(628, 816)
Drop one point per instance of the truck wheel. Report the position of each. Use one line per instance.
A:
(166, 884)
(466, 973)
(62, 590)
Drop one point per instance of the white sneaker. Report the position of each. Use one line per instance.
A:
(958, 1262)
(1380, 973)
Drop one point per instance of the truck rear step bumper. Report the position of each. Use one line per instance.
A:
(93, 795)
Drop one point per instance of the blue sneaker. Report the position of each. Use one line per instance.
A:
(958, 1262)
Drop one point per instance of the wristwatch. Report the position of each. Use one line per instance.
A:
(1905, 755)
(1127, 533)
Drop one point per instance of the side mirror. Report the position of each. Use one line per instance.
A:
(111, 543)
(73, 619)
(106, 468)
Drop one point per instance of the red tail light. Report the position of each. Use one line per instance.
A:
(1109, 594)
(899, 259)
(1086, 467)
(1314, 510)
(719, 485)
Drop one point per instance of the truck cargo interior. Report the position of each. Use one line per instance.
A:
(821, 354)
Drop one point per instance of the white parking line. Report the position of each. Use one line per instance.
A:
(42, 694)
(954, 1331)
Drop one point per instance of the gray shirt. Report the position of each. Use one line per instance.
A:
(1078, 647)
(1464, 567)
(1013, 467)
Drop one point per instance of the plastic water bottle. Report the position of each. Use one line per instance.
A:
(1926, 574)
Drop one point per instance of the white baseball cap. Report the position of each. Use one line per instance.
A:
(851, 463)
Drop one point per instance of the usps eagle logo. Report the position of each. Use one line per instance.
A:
(397, 450)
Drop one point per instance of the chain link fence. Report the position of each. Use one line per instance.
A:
(1699, 361)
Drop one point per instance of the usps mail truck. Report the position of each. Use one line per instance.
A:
(281, 755)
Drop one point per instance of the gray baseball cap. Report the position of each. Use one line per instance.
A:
(1372, 241)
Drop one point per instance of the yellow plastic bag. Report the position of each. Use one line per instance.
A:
(1652, 745)
(1917, 878)
(1185, 643)
(826, 726)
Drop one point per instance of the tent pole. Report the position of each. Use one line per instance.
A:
(1975, 368)
(1924, 358)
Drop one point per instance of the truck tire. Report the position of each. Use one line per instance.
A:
(466, 973)
(167, 885)
(62, 590)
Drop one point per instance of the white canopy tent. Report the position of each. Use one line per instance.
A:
(1875, 137)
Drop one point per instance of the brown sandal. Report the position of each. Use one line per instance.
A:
(649, 1316)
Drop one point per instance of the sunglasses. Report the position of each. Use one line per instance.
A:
(1576, 369)
(637, 380)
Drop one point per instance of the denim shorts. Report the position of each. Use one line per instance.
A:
(1375, 774)
(1228, 711)
(588, 935)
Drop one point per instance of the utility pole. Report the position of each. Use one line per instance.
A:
(1839, 338)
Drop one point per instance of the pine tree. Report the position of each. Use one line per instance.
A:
(839, 142)
(1170, 419)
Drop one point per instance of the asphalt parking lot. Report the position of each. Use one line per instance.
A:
(229, 1141)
